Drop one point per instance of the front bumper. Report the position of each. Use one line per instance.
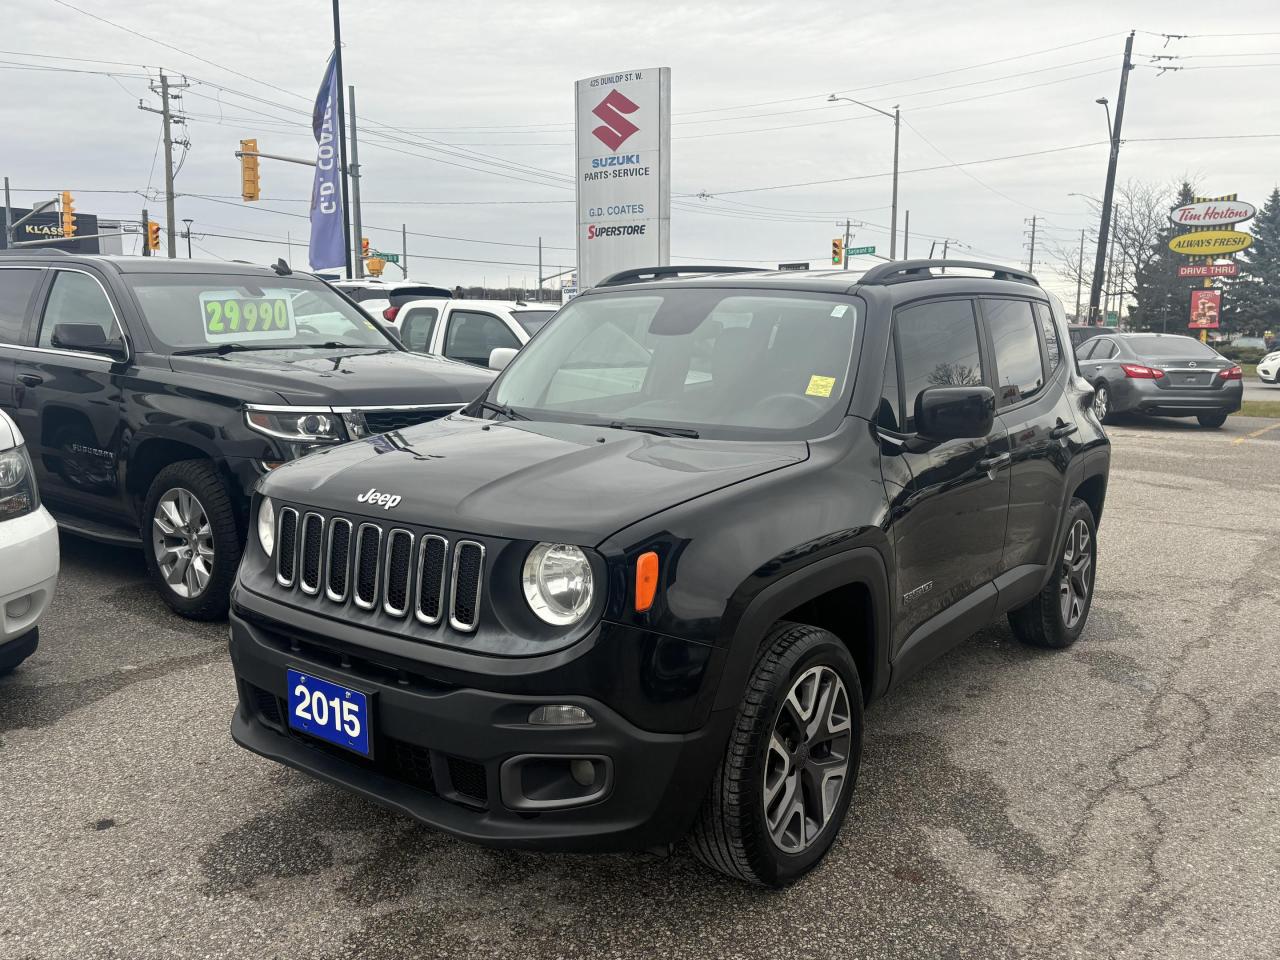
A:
(28, 571)
(1269, 373)
(451, 754)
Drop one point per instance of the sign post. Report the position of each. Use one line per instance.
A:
(623, 123)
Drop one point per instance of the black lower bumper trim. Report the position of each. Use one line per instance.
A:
(18, 649)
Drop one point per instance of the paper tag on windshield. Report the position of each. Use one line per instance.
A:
(820, 386)
(839, 310)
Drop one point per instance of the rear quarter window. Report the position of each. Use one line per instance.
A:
(17, 285)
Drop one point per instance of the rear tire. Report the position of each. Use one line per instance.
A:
(781, 791)
(1056, 616)
(190, 539)
(1102, 403)
(1212, 420)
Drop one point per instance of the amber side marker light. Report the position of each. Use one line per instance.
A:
(646, 580)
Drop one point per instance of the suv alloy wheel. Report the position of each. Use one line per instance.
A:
(1056, 616)
(191, 540)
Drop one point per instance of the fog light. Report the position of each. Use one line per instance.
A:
(19, 608)
(583, 772)
(559, 715)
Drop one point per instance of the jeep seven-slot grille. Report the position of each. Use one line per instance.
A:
(392, 571)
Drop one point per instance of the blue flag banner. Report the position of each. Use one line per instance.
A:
(328, 247)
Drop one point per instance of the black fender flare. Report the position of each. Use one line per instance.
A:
(746, 632)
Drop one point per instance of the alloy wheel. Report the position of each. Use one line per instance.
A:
(1100, 403)
(807, 760)
(1076, 579)
(182, 538)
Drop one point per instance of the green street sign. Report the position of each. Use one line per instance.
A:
(389, 257)
(859, 251)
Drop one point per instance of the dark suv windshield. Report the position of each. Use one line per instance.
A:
(189, 311)
(718, 362)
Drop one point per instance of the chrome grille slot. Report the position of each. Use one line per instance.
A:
(338, 562)
(464, 594)
(368, 553)
(399, 571)
(286, 546)
(312, 539)
(432, 557)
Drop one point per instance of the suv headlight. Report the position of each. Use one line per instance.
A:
(267, 525)
(300, 431)
(557, 583)
(18, 494)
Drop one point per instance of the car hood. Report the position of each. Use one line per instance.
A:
(535, 481)
(345, 377)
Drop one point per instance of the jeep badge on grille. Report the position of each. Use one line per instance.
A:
(384, 500)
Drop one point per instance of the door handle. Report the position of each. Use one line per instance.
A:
(992, 464)
(1065, 430)
(30, 379)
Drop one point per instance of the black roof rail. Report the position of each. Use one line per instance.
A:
(897, 271)
(644, 274)
(27, 251)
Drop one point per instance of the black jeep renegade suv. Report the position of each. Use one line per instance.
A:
(154, 393)
(643, 587)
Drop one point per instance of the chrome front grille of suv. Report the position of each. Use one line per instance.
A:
(390, 570)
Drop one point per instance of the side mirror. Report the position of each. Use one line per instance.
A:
(87, 338)
(499, 357)
(955, 413)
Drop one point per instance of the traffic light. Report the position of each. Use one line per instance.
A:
(837, 251)
(250, 188)
(374, 266)
(153, 235)
(68, 215)
(364, 247)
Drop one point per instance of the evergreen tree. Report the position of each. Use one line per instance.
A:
(1253, 301)
(1164, 298)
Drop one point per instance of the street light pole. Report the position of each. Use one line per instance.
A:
(188, 221)
(896, 117)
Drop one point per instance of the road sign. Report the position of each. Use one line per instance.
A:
(793, 266)
(389, 257)
(1203, 270)
(860, 251)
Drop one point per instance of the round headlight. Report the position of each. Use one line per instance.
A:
(267, 525)
(557, 583)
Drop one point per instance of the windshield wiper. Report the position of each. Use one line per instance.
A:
(500, 409)
(220, 348)
(656, 429)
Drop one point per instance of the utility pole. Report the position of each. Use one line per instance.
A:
(355, 181)
(906, 238)
(1031, 260)
(8, 216)
(168, 120)
(946, 243)
(893, 222)
(847, 237)
(146, 220)
(188, 223)
(342, 133)
(404, 251)
(1111, 262)
(1104, 228)
(1079, 274)
(539, 269)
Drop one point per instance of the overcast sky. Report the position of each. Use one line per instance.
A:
(492, 84)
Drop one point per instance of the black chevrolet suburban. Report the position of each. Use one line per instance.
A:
(154, 394)
(643, 587)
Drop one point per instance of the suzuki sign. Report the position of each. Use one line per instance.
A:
(623, 172)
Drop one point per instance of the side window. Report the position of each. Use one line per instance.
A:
(1020, 370)
(76, 298)
(1086, 348)
(1050, 330)
(1105, 350)
(938, 345)
(472, 336)
(888, 414)
(416, 327)
(16, 288)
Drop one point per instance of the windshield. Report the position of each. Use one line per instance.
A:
(1172, 348)
(193, 311)
(716, 362)
(533, 320)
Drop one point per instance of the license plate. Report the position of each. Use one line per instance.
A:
(1196, 380)
(320, 708)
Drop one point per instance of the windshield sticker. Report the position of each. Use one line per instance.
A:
(229, 316)
(820, 386)
(840, 310)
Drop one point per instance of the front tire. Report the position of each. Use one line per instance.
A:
(191, 540)
(1056, 616)
(1212, 420)
(781, 791)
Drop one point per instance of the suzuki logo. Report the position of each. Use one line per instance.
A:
(617, 128)
(384, 500)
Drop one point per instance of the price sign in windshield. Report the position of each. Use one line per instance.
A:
(232, 316)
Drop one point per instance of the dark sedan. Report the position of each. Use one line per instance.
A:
(1158, 373)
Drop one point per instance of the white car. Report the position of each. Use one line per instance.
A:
(382, 299)
(1269, 368)
(470, 330)
(28, 551)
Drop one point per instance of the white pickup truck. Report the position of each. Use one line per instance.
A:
(470, 330)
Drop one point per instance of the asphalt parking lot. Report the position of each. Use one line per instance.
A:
(1120, 799)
